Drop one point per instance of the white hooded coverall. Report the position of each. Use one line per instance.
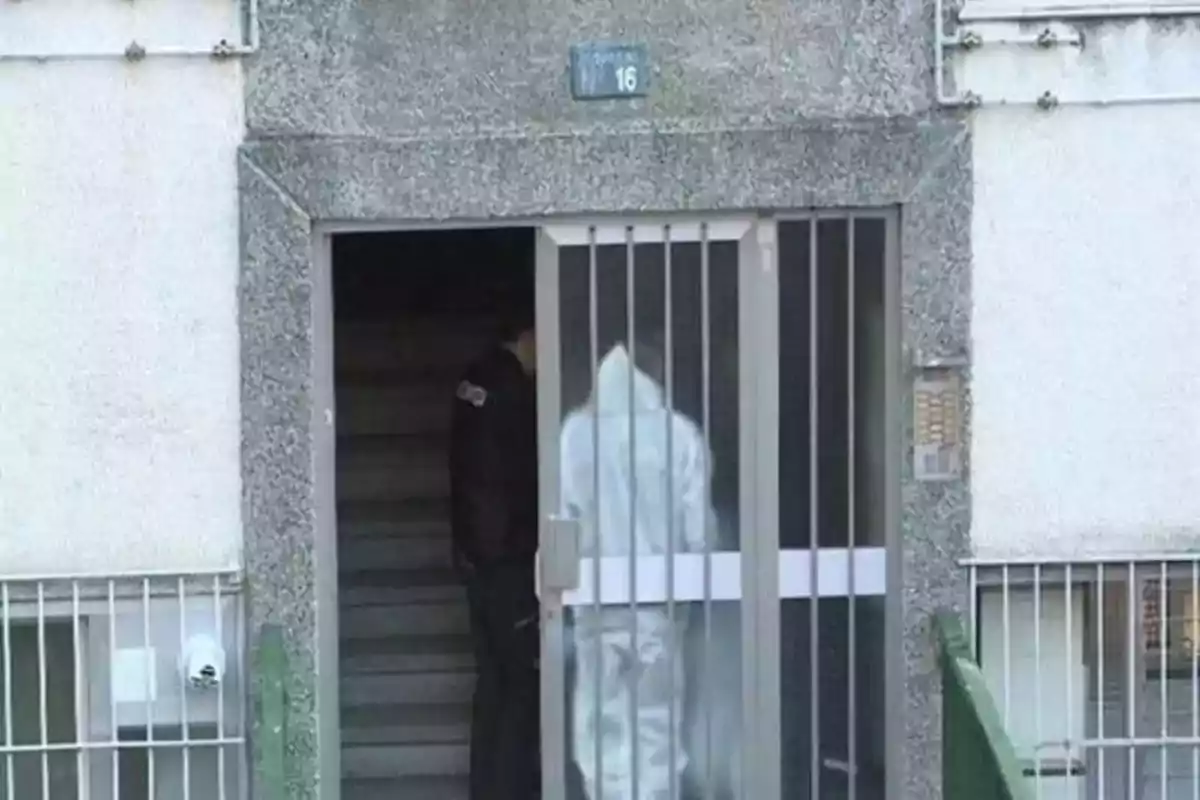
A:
(653, 462)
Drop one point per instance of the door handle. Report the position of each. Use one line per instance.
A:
(558, 556)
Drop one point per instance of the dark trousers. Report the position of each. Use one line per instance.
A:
(505, 746)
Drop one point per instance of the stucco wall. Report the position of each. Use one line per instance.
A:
(1086, 322)
(118, 292)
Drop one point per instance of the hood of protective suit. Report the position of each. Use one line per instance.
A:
(616, 377)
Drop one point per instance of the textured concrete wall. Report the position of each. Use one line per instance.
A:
(455, 110)
(464, 67)
(118, 291)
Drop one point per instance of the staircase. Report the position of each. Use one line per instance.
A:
(407, 671)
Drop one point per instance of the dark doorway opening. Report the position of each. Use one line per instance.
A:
(411, 310)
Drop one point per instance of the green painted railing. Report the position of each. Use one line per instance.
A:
(978, 759)
(271, 666)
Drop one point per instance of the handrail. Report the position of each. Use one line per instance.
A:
(979, 761)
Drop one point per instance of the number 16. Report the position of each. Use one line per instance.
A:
(627, 79)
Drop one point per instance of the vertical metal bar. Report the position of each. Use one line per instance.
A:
(184, 723)
(630, 305)
(219, 629)
(1037, 681)
(708, 696)
(669, 386)
(1102, 690)
(82, 761)
(242, 773)
(1006, 643)
(1193, 616)
(112, 695)
(151, 667)
(851, 486)
(9, 766)
(597, 609)
(43, 716)
(1069, 594)
(1164, 638)
(814, 540)
(1132, 682)
(1194, 660)
(758, 256)
(553, 687)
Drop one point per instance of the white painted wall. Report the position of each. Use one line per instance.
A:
(1086, 284)
(119, 429)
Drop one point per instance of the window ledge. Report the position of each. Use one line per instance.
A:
(986, 11)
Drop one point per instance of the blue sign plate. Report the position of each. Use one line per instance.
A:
(605, 71)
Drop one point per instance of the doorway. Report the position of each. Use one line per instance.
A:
(760, 596)
(411, 310)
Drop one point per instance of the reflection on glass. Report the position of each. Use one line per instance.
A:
(649, 467)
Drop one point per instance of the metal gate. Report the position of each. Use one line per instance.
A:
(716, 500)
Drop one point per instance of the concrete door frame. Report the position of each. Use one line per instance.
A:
(295, 192)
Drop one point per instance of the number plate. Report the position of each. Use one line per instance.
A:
(605, 71)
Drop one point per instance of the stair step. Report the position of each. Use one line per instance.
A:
(399, 688)
(405, 789)
(407, 654)
(448, 723)
(379, 468)
(444, 591)
(394, 552)
(419, 517)
(398, 409)
(421, 619)
(398, 761)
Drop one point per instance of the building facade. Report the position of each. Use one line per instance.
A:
(173, 188)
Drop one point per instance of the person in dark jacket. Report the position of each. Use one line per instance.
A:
(494, 497)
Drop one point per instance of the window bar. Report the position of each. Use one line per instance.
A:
(597, 609)
(43, 716)
(1164, 640)
(814, 542)
(630, 298)
(9, 766)
(1194, 650)
(151, 668)
(239, 611)
(1102, 691)
(1069, 599)
(82, 755)
(851, 486)
(1037, 681)
(112, 695)
(1132, 612)
(705, 410)
(668, 384)
(1006, 642)
(219, 625)
(184, 724)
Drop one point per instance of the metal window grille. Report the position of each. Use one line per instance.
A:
(1095, 666)
(122, 688)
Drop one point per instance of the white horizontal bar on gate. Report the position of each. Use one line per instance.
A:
(725, 577)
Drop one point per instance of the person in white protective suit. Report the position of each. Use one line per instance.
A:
(653, 462)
